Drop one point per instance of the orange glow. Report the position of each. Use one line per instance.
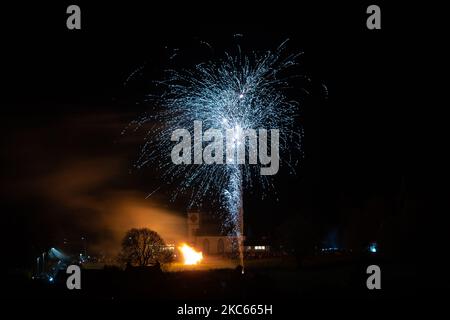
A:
(190, 256)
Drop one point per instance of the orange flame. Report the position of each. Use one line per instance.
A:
(190, 256)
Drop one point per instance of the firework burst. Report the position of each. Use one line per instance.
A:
(236, 91)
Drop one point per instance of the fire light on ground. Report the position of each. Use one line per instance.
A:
(190, 256)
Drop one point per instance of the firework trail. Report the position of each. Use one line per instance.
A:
(236, 92)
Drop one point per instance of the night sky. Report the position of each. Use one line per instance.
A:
(67, 170)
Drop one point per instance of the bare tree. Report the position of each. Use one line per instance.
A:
(142, 247)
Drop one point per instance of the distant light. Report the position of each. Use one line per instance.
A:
(373, 247)
(50, 279)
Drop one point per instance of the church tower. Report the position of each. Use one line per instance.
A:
(193, 225)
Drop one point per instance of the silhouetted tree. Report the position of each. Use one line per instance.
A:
(142, 247)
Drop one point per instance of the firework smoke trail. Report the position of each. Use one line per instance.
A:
(236, 92)
(232, 198)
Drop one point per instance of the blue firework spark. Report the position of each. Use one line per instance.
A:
(235, 91)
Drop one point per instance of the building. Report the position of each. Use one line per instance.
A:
(205, 234)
